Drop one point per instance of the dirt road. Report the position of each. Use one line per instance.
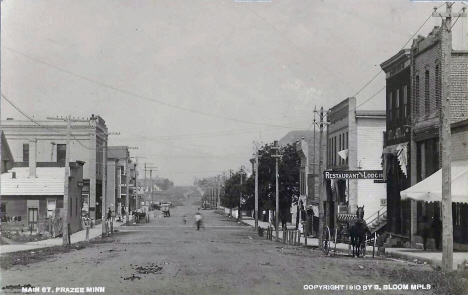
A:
(225, 258)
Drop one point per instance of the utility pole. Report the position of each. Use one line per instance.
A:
(138, 204)
(239, 214)
(151, 181)
(127, 184)
(65, 231)
(104, 181)
(447, 222)
(277, 156)
(321, 208)
(256, 185)
(218, 191)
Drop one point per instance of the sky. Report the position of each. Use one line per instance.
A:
(193, 83)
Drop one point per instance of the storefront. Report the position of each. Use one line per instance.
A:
(426, 199)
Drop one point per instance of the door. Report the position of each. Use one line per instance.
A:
(32, 218)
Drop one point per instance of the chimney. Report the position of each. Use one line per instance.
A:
(32, 157)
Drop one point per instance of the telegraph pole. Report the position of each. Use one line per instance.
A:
(239, 215)
(127, 184)
(65, 231)
(447, 222)
(256, 185)
(321, 208)
(218, 191)
(151, 181)
(277, 156)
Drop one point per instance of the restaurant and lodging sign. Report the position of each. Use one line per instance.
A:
(356, 174)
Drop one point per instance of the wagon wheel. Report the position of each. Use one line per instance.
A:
(326, 240)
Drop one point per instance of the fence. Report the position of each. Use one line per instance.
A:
(290, 237)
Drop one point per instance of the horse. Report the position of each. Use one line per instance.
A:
(357, 230)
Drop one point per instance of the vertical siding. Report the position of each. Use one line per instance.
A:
(369, 151)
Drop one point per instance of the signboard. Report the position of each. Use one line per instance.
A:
(383, 202)
(380, 181)
(358, 174)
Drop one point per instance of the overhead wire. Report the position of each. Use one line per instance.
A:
(137, 95)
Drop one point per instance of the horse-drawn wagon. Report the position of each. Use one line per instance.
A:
(165, 210)
(351, 229)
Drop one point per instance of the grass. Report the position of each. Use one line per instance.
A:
(23, 238)
(453, 283)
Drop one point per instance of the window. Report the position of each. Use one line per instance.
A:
(438, 89)
(339, 149)
(25, 152)
(347, 146)
(426, 94)
(390, 135)
(397, 102)
(61, 153)
(417, 98)
(51, 205)
(405, 101)
(334, 154)
(71, 206)
(390, 106)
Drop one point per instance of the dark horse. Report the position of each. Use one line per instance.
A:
(357, 230)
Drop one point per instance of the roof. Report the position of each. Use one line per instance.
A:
(402, 55)
(49, 182)
(376, 113)
(292, 136)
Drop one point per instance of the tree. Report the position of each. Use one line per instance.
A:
(289, 169)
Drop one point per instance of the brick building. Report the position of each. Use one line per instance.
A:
(425, 151)
(85, 145)
(396, 141)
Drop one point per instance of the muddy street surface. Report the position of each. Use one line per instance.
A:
(167, 257)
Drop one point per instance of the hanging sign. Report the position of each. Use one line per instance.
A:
(358, 174)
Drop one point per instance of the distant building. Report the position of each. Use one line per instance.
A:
(354, 143)
(119, 159)
(86, 145)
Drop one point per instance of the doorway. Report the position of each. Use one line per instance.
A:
(32, 218)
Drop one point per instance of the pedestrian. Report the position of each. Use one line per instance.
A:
(424, 230)
(436, 230)
(185, 219)
(198, 220)
(108, 220)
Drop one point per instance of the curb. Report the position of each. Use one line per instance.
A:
(410, 258)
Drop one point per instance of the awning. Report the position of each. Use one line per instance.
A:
(430, 189)
(391, 149)
(401, 152)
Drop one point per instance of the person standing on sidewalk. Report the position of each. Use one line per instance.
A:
(436, 230)
(424, 230)
(185, 219)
